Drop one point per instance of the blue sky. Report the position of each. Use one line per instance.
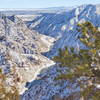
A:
(43, 3)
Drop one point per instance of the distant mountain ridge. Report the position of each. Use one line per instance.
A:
(31, 11)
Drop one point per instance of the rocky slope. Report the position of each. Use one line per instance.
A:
(20, 51)
(62, 26)
(24, 42)
(45, 87)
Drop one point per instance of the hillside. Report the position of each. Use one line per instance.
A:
(28, 41)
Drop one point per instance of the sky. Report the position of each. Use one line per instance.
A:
(43, 3)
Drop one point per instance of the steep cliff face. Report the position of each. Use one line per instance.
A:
(20, 51)
(62, 25)
(54, 24)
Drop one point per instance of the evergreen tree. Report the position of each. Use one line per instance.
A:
(84, 66)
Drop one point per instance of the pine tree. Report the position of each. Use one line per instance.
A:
(83, 66)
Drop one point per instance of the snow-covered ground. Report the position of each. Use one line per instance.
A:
(20, 50)
(29, 35)
(62, 25)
